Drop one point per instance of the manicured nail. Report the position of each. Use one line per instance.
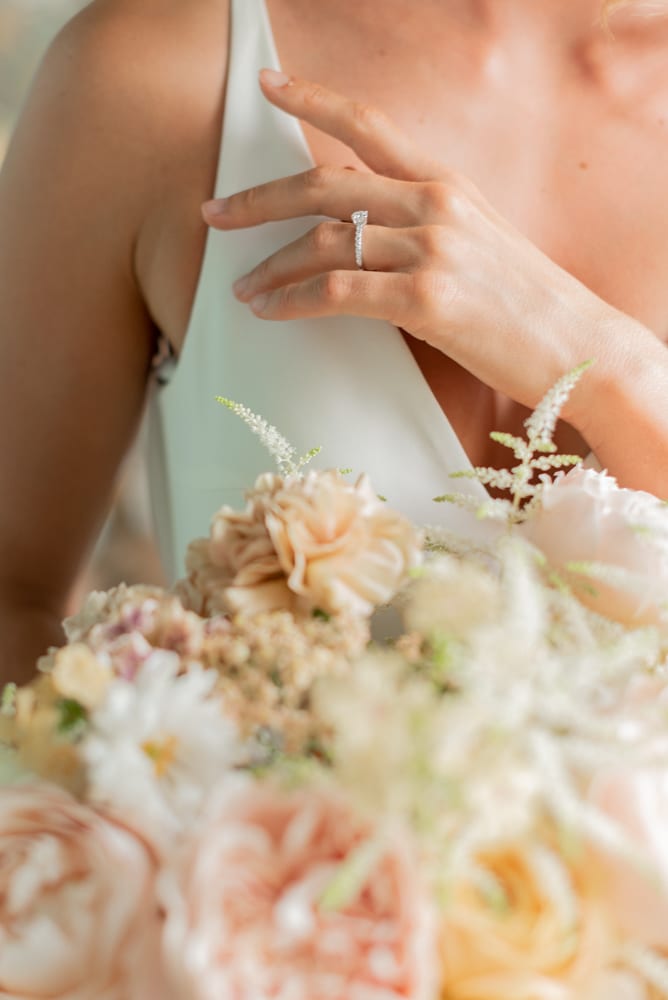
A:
(241, 285)
(211, 209)
(260, 302)
(271, 78)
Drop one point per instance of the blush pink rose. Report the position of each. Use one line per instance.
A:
(585, 517)
(637, 800)
(247, 916)
(78, 917)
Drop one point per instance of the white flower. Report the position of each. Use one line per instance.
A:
(157, 745)
(452, 596)
(618, 537)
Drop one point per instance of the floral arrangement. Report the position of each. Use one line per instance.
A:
(246, 789)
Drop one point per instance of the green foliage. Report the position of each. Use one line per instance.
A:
(352, 874)
(73, 718)
(8, 699)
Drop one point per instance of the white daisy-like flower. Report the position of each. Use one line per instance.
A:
(156, 747)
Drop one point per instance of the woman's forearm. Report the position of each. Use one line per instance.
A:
(621, 405)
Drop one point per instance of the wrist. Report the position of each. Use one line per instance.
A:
(619, 408)
(623, 353)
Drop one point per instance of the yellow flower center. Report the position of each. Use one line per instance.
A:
(162, 753)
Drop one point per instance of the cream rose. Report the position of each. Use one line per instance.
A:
(584, 517)
(78, 917)
(528, 929)
(302, 543)
(248, 913)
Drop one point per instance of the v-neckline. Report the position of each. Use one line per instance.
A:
(419, 377)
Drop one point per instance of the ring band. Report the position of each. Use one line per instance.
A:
(360, 220)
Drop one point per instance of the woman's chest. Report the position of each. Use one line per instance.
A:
(578, 171)
(576, 161)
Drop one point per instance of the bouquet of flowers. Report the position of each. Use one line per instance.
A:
(255, 788)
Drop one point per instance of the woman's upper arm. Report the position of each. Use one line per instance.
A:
(75, 336)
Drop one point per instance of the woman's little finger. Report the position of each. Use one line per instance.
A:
(374, 294)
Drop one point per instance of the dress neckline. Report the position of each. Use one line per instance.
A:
(420, 379)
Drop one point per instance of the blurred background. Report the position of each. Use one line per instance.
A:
(26, 28)
(125, 551)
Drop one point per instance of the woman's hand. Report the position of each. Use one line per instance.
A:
(439, 261)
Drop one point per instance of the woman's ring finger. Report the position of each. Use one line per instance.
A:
(331, 246)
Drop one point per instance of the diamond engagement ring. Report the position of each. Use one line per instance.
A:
(360, 219)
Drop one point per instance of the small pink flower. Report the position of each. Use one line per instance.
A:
(125, 624)
(247, 915)
(78, 917)
(584, 517)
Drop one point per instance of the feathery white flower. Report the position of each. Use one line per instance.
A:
(280, 449)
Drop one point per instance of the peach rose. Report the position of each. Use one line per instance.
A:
(78, 918)
(341, 547)
(236, 567)
(248, 913)
(637, 894)
(534, 931)
(584, 517)
(302, 543)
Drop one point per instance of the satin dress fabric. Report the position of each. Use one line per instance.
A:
(348, 385)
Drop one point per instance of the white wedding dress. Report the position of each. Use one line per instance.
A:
(349, 385)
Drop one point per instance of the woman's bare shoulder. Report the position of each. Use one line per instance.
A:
(139, 64)
(126, 110)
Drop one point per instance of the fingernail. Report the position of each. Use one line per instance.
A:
(271, 78)
(260, 302)
(218, 206)
(241, 285)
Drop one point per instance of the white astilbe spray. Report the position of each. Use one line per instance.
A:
(536, 455)
(522, 696)
(541, 424)
(280, 449)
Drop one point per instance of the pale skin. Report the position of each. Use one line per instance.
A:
(515, 180)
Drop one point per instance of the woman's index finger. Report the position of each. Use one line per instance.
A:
(376, 140)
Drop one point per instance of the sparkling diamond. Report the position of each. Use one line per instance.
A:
(360, 218)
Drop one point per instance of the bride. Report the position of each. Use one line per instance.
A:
(511, 157)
